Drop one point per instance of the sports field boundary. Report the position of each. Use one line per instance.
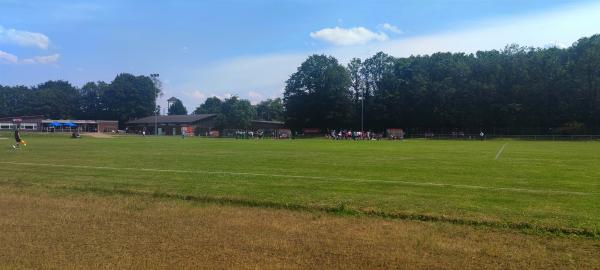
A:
(339, 179)
(340, 209)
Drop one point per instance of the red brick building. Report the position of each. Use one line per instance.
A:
(197, 124)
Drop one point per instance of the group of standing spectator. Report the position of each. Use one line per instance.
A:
(353, 135)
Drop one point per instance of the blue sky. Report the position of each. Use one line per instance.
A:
(249, 48)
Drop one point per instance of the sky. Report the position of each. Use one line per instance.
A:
(250, 48)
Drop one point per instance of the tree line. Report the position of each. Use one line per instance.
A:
(234, 112)
(550, 89)
(127, 97)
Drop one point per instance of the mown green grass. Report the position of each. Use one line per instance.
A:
(542, 184)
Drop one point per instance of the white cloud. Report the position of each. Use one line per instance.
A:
(8, 58)
(13, 59)
(24, 38)
(391, 28)
(556, 45)
(254, 97)
(197, 96)
(245, 74)
(219, 96)
(348, 36)
(48, 59)
(254, 94)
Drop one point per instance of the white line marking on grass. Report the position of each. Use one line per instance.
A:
(500, 151)
(524, 190)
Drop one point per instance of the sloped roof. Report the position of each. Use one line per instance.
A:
(24, 117)
(268, 122)
(172, 119)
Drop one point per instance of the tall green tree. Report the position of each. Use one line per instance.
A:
(270, 110)
(374, 69)
(92, 104)
(177, 108)
(235, 113)
(585, 67)
(54, 99)
(129, 97)
(372, 72)
(14, 101)
(211, 105)
(358, 89)
(317, 95)
(357, 80)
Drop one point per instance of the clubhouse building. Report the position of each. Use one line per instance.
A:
(173, 124)
(195, 124)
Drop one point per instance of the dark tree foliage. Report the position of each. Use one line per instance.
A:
(270, 110)
(232, 113)
(518, 88)
(131, 97)
(235, 113)
(211, 105)
(126, 97)
(177, 108)
(56, 99)
(357, 86)
(14, 100)
(92, 103)
(317, 95)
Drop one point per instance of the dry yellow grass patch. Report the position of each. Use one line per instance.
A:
(98, 135)
(40, 230)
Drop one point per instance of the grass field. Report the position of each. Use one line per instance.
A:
(540, 189)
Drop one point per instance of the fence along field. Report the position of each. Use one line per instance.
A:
(548, 187)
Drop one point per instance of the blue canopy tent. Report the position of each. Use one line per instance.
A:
(70, 125)
(55, 125)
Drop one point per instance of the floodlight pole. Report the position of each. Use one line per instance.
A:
(362, 112)
(155, 112)
(154, 77)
